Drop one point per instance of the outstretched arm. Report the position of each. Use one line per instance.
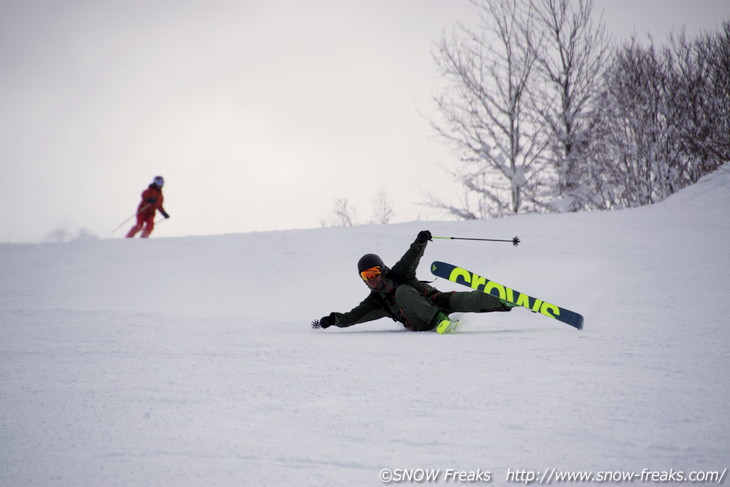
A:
(407, 265)
(368, 310)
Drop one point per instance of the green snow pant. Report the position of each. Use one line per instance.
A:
(420, 312)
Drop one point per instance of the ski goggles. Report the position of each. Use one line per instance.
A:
(371, 273)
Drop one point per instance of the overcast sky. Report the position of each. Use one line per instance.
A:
(258, 113)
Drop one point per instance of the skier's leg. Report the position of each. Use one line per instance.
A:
(419, 314)
(149, 226)
(137, 227)
(475, 302)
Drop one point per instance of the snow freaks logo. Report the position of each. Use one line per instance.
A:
(548, 476)
(423, 475)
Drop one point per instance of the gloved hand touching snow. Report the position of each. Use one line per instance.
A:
(324, 322)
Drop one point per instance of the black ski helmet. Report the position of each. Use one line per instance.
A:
(368, 261)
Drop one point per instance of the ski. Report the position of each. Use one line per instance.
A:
(467, 278)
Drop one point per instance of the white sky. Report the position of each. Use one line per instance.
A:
(259, 113)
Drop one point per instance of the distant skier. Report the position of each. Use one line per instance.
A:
(151, 203)
(398, 294)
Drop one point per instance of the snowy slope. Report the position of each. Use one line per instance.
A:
(190, 361)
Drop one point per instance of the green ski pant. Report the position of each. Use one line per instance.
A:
(419, 312)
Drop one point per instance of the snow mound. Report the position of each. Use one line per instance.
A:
(712, 191)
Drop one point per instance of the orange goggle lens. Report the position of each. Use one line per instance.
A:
(368, 274)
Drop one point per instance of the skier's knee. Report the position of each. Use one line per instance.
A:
(405, 291)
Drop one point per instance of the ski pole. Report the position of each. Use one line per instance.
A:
(125, 221)
(515, 241)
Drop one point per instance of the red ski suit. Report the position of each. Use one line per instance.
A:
(151, 202)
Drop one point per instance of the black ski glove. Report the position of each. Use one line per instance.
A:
(164, 213)
(423, 237)
(324, 322)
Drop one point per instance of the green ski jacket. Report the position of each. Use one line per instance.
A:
(381, 302)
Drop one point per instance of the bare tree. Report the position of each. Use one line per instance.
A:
(345, 215)
(383, 210)
(716, 51)
(700, 83)
(661, 120)
(638, 84)
(484, 114)
(539, 105)
(570, 54)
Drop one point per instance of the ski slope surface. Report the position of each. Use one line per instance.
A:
(191, 361)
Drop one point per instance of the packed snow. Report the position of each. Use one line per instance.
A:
(191, 361)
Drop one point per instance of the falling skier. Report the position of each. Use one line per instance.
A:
(147, 209)
(398, 294)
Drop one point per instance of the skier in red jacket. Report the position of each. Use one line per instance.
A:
(148, 207)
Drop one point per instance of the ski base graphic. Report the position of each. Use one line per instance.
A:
(467, 278)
